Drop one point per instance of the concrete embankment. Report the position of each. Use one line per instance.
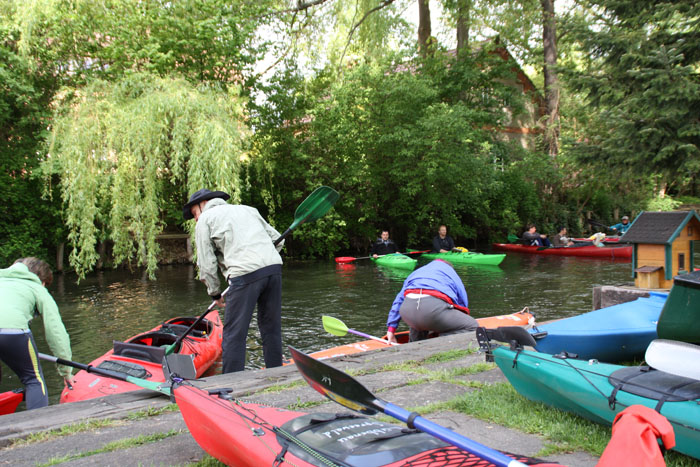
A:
(144, 428)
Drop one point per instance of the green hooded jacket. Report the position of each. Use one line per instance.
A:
(21, 294)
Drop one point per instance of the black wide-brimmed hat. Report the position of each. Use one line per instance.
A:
(199, 196)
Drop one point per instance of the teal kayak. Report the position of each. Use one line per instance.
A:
(599, 391)
(396, 260)
(467, 257)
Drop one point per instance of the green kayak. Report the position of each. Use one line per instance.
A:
(396, 260)
(599, 391)
(468, 257)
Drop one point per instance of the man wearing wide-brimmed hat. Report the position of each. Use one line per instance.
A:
(236, 239)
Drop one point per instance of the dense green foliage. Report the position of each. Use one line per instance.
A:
(124, 151)
(406, 143)
(29, 225)
(641, 75)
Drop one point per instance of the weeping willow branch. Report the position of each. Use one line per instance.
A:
(383, 4)
(129, 153)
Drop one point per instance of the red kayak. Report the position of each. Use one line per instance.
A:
(10, 400)
(244, 434)
(142, 357)
(590, 251)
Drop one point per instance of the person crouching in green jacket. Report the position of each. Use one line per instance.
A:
(22, 293)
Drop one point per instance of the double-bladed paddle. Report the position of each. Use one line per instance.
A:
(313, 207)
(343, 389)
(161, 387)
(338, 328)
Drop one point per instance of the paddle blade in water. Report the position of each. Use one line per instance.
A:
(315, 205)
(334, 326)
(345, 259)
(334, 384)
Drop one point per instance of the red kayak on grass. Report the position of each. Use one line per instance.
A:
(142, 357)
(590, 251)
(245, 434)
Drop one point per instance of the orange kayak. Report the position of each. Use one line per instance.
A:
(521, 318)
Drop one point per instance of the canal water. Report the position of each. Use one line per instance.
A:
(115, 305)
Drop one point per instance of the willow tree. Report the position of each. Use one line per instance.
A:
(127, 153)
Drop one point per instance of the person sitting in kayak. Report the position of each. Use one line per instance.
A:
(383, 245)
(622, 226)
(22, 293)
(532, 238)
(560, 239)
(442, 243)
(433, 298)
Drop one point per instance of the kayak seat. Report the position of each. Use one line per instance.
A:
(154, 339)
(143, 352)
(514, 335)
(203, 327)
(349, 439)
(654, 384)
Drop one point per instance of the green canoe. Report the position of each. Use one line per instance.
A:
(680, 317)
(396, 260)
(598, 391)
(468, 257)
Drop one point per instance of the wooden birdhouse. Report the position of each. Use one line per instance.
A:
(663, 246)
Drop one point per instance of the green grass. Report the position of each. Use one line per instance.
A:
(566, 432)
(280, 387)
(208, 461)
(299, 405)
(93, 424)
(115, 446)
(449, 355)
(66, 430)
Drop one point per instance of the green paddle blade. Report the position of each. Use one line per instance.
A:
(315, 205)
(513, 238)
(334, 326)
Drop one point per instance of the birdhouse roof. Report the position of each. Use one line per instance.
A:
(658, 227)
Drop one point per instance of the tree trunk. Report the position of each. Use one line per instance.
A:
(551, 82)
(463, 12)
(424, 30)
(59, 256)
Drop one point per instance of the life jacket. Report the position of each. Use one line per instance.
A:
(440, 295)
(634, 439)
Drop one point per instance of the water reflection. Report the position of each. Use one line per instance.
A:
(115, 305)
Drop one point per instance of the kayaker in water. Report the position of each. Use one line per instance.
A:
(532, 238)
(560, 239)
(22, 294)
(442, 243)
(622, 226)
(240, 241)
(433, 298)
(383, 245)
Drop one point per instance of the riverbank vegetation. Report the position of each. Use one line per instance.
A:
(113, 112)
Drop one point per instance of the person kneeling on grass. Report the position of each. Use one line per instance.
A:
(433, 298)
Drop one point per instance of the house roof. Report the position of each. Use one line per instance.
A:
(658, 227)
